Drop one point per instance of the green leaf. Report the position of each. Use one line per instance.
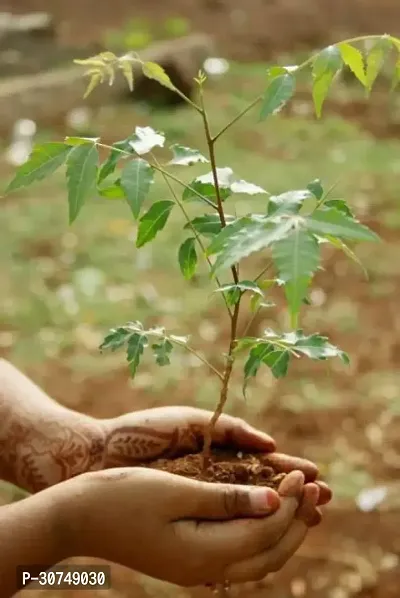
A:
(151, 70)
(265, 353)
(287, 203)
(153, 221)
(185, 156)
(115, 339)
(279, 91)
(244, 237)
(328, 221)
(246, 188)
(326, 64)
(315, 187)
(136, 346)
(354, 60)
(162, 352)
(121, 149)
(188, 258)
(296, 258)
(234, 291)
(145, 139)
(315, 346)
(136, 179)
(396, 75)
(113, 191)
(81, 176)
(126, 66)
(328, 60)
(340, 205)
(96, 77)
(81, 140)
(339, 244)
(375, 60)
(207, 190)
(44, 161)
(208, 225)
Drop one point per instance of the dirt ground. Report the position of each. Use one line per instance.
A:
(352, 554)
(254, 30)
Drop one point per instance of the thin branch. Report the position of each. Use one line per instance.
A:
(160, 169)
(237, 117)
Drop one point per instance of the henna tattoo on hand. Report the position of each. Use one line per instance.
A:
(42, 443)
(129, 445)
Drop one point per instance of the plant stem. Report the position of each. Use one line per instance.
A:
(203, 359)
(234, 320)
(237, 117)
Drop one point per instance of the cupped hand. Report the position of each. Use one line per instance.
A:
(184, 531)
(171, 431)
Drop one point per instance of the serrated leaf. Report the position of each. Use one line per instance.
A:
(315, 187)
(186, 156)
(279, 91)
(287, 203)
(265, 353)
(81, 140)
(234, 291)
(316, 346)
(340, 205)
(81, 176)
(44, 160)
(328, 221)
(339, 244)
(115, 339)
(153, 221)
(188, 258)
(225, 177)
(320, 91)
(208, 225)
(328, 60)
(196, 188)
(136, 346)
(151, 70)
(136, 180)
(95, 80)
(121, 150)
(145, 139)
(396, 75)
(296, 258)
(353, 58)
(113, 191)
(326, 64)
(375, 60)
(126, 67)
(247, 188)
(244, 237)
(162, 352)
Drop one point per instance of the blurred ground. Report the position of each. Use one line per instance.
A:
(62, 288)
(250, 31)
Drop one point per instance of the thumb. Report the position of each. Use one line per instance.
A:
(209, 501)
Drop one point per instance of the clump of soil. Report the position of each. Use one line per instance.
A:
(226, 467)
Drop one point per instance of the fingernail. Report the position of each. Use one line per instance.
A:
(264, 500)
(292, 485)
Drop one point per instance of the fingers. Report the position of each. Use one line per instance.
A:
(232, 431)
(286, 463)
(325, 493)
(239, 539)
(207, 501)
(270, 561)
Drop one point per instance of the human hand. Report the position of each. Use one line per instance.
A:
(171, 431)
(185, 531)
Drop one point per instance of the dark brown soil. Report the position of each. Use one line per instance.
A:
(226, 468)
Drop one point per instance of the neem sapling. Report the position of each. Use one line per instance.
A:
(288, 229)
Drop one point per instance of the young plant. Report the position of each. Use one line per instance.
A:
(288, 229)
